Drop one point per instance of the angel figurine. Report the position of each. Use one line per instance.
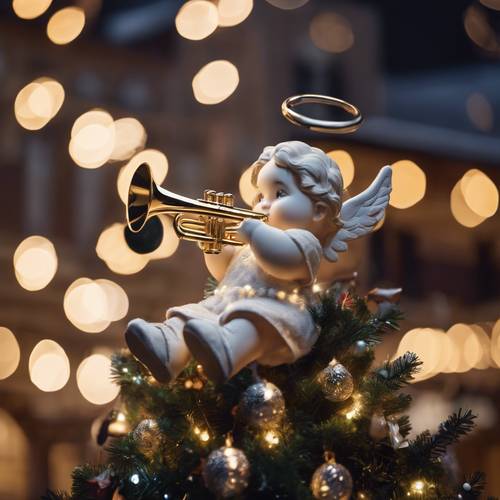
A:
(258, 312)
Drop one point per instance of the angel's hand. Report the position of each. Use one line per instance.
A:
(247, 227)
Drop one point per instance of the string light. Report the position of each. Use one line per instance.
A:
(408, 184)
(215, 82)
(197, 19)
(65, 25)
(11, 354)
(271, 438)
(355, 410)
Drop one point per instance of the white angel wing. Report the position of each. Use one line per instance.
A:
(361, 213)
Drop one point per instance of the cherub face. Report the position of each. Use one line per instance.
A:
(285, 204)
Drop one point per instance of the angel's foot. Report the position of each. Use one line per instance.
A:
(207, 343)
(157, 346)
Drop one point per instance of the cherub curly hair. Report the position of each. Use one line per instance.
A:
(316, 174)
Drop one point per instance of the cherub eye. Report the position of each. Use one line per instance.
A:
(280, 193)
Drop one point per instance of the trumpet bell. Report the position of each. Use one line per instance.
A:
(148, 239)
(139, 198)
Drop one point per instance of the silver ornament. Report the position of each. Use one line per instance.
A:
(360, 347)
(336, 382)
(226, 471)
(331, 481)
(147, 435)
(378, 427)
(262, 405)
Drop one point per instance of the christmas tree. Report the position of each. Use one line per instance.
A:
(329, 426)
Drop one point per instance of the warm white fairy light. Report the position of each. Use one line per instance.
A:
(345, 163)
(355, 410)
(233, 12)
(94, 381)
(92, 139)
(11, 354)
(130, 137)
(215, 82)
(49, 366)
(65, 25)
(35, 263)
(197, 19)
(30, 9)
(38, 102)
(271, 438)
(408, 184)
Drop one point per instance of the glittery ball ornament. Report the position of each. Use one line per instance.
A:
(262, 405)
(336, 382)
(331, 481)
(147, 435)
(226, 472)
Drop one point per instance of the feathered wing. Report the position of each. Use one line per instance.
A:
(361, 213)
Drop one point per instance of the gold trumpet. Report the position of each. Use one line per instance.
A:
(215, 225)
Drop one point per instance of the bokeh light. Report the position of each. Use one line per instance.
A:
(479, 192)
(197, 19)
(113, 250)
(479, 30)
(408, 184)
(156, 161)
(35, 263)
(38, 102)
(331, 32)
(130, 137)
(170, 240)
(495, 344)
(346, 165)
(93, 378)
(480, 111)
(91, 305)
(29, 9)
(287, 4)
(248, 191)
(462, 213)
(233, 12)
(215, 82)
(49, 366)
(65, 25)
(92, 139)
(491, 4)
(11, 354)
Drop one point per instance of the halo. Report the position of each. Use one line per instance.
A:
(333, 127)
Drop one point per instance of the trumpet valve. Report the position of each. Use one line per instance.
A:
(220, 198)
(228, 199)
(209, 195)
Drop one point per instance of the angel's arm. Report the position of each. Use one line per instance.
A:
(275, 251)
(217, 264)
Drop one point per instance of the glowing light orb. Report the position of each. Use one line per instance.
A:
(35, 263)
(130, 137)
(93, 378)
(157, 162)
(248, 191)
(65, 25)
(233, 12)
(170, 240)
(30, 9)
(480, 193)
(331, 32)
(408, 184)
(117, 299)
(197, 19)
(49, 366)
(495, 343)
(11, 354)
(113, 250)
(460, 334)
(215, 82)
(38, 102)
(461, 211)
(92, 139)
(346, 165)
